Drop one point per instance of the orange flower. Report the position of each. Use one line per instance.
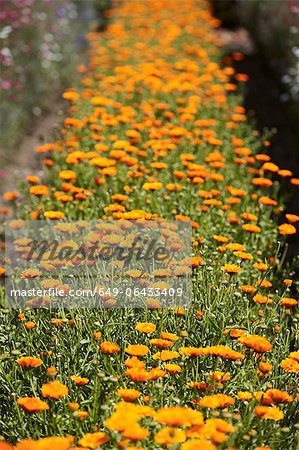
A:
(109, 348)
(161, 343)
(196, 444)
(39, 190)
(137, 350)
(267, 201)
(291, 364)
(265, 182)
(54, 389)
(265, 367)
(5, 446)
(93, 440)
(54, 215)
(289, 302)
(178, 417)
(251, 228)
(79, 381)
(173, 368)
(29, 361)
(262, 299)
(145, 327)
(97, 335)
(166, 355)
(32, 404)
(169, 436)
(292, 218)
(256, 342)
(129, 395)
(266, 412)
(73, 406)
(261, 266)
(216, 401)
(231, 268)
(29, 325)
(154, 186)
(67, 175)
(248, 289)
(137, 374)
(10, 196)
(274, 396)
(286, 229)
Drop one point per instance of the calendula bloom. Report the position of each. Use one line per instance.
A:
(291, 363)
(267, 201)
(29, 361)
(54, 389)
(161, 343)
(196, 444)
(166, 355)
(235, 247)
(97, 335)
(30, 273)
(286, 229)
(39, 190)
(231, 268)
(134, 362)
(256, 342)
(53, 443)
(156, 373)
(261, 266)
(79, 381)
(137, 374)
(292, 218)
(178, 417)
(219, 377)
(135, 432)
(264, 182)
(251, 228)
(173, 368)
(154, 186)
(109, 348)
(248, 289)
(275, 396)
(265, 367)
(243, 255)
(266, 412)
(264, 283)
(67, 175)
(32, 404)
(169, 436)
(93, 440)
(129, 395)
(262, 299)
(30, 325)
(54, 215)
(145, 327)
(137, 350)
(73, 406)
(289, 302)
(235, 333)
(216, 401)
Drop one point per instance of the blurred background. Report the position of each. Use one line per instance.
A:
(42, 41)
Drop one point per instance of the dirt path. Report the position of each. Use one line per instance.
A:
(16, 165)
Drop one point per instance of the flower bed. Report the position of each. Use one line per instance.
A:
(156, 130)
